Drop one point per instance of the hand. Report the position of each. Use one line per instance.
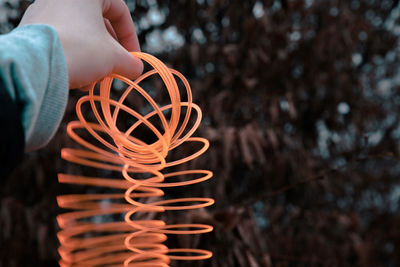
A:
(96, 36)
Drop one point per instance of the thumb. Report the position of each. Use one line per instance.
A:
(127, 65)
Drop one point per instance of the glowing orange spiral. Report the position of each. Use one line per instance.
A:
(130, 242)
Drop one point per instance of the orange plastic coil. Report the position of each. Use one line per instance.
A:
(132, 241)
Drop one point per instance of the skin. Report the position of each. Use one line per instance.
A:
(96, 36)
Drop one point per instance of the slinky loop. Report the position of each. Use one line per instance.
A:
(86, 241)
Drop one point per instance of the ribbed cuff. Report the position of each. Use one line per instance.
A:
(41, 126)
(55, 97)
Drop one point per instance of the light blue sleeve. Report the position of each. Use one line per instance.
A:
(34, 72)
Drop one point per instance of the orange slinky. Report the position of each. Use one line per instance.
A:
(137, 239)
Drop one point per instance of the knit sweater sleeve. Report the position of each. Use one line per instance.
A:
(34, 73)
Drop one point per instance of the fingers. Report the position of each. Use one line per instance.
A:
(118, 20)
(127, 65)
(110, 29)
(119, 16)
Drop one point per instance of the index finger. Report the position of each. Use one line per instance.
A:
(117, 12)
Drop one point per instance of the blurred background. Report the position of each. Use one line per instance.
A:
(301, 104)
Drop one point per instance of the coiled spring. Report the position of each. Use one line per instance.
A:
(130, 242)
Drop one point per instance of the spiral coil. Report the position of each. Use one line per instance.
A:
(84, 242)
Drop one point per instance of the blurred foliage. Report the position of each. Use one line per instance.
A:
(301, 105)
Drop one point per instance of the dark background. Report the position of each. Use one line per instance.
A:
(301, 105)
